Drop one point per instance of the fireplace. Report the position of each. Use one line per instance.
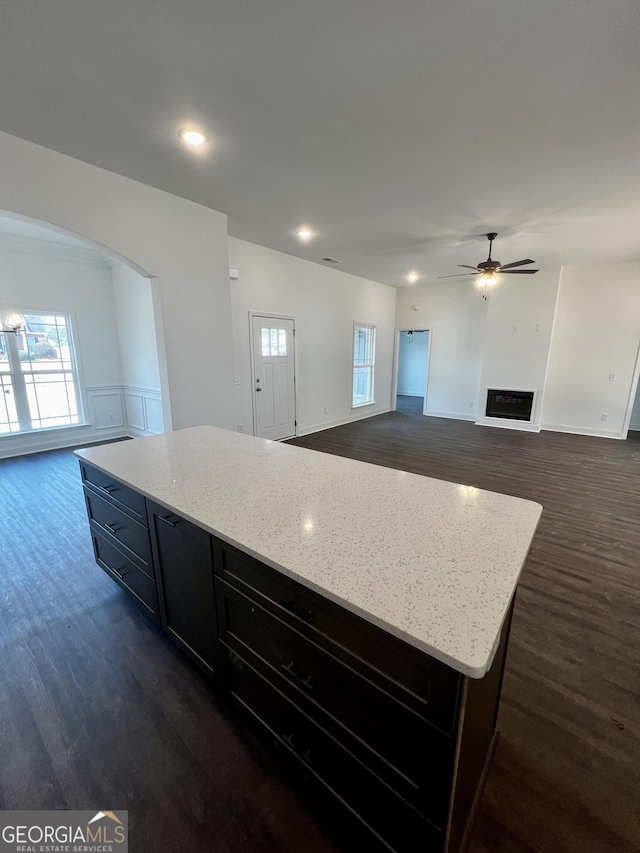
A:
(513, 405)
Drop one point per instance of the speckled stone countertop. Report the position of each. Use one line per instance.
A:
(433, 563)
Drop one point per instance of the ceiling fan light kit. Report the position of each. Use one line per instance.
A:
(488, 270)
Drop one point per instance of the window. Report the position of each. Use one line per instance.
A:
(274, 342)
(38, 375)
(364, 349)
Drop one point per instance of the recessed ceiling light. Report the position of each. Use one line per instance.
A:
(304, 233)
(412, 277)
(192, 136)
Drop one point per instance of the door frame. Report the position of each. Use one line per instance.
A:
(396, 366)
(252, 363)
(635, 384)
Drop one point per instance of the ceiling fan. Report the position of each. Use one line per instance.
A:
(488, 270)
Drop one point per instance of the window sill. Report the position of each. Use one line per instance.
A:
(360, 405)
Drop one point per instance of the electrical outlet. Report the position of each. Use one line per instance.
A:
(239, 427)
(538, 327)
(237, 381)
(471, 404)
(325, 410)
(613, 377)
(604, 416)
(514, 328)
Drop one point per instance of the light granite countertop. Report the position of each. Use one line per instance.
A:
(433, 563)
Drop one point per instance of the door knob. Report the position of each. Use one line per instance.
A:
(258, 389)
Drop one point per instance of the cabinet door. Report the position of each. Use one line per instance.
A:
(184, 573)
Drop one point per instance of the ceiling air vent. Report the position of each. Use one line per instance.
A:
(331, 260)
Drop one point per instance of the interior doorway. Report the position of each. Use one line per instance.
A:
(412, 370)
(634, 425)
(632, 416)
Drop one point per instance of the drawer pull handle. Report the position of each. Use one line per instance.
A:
(306, 615)
(119, 572)
(289, 669)
(305, 756)
(167, 520)
(111, 528)
(107, 489)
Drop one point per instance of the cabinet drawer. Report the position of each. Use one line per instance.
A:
(409, 753)
(425, 685)
(130, 535)
(326, 761)
(122, 496)
(125, 573)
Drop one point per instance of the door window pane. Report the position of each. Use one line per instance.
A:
(274, 342)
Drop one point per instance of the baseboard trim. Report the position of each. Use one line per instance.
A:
(452, 416)
(595, 433)
(504, 423)
(61, 442)
(341, 422)
(136, 432)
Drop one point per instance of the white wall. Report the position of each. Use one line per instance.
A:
(518, 334)
(596, 332)
(455, 314)
(412, 363)
(134, 304)
(136, 330)
(64, 280)
(182, 243)
(325, 303)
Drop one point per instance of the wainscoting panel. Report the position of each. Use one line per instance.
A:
(153, 414)
(108, 411)
(144, 411)
(135, 410)
(112, 411)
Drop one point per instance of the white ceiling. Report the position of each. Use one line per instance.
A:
(399, 130)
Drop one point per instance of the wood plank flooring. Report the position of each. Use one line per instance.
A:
(98, 710)
(566, 774)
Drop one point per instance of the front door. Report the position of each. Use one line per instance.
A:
(273, 377)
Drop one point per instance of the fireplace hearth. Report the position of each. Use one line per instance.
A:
(512, 405)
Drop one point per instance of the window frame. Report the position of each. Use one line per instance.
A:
(18, 376)
(370, 364)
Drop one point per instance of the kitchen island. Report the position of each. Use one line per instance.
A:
(358, 615)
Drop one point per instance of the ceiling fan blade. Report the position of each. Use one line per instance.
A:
(467, 267)
(517, 272)
(517, 264)
(458, 275)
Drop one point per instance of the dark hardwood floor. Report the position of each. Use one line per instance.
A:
(98, 710)
(566, 773)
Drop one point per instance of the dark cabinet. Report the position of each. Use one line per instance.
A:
(391, 738)
(120, 536)
(183, 558)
